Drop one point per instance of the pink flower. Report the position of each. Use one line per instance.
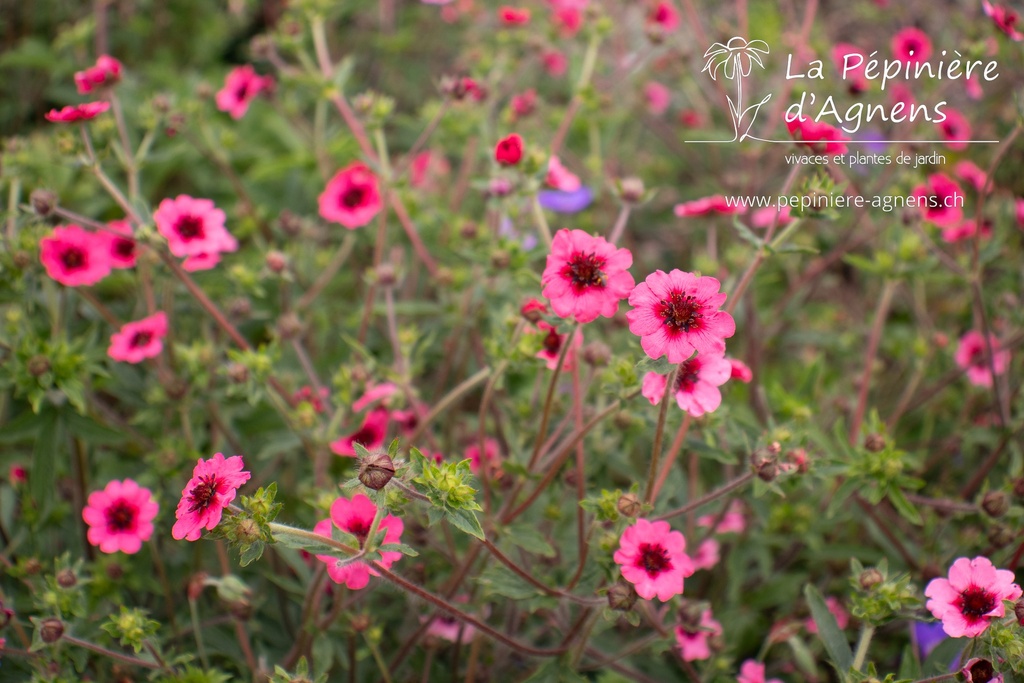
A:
(552, 347)
(1018, 207)
(820, 137)
(971, 597)
(652, 557)
(677, 313)
(733, 522)
(911, 45)
(533, 309)
(697, 384)
(972, 356)
(1005, 19)
(955, 129)
(762, 218)
(210, 490)
(203, 261)
(513, 16)
(555, 63)
(75, 257)
(375, 393)
(193, 227)
(693, 644)
(707, 555)
(691, 118)
(665, 16)
(509, 150)
(77, 112)
(585, 276)
(122, 249)
(356, 517)
(139, 340)
(709, 205)
(844, 54)
(523, 104)
(307, 395)
(427, 168)
(740, 370)
(120, 517)
(107, 71)
(966, 230)
(370, 434)
(241, 86)
(970, 173)
(978, 670)
(451, 629)
(838, 611)
(490, 454)
(658, 98)
(352, 197)
(941, 200)
(567, 15)
(972, 86)
(753, 672)
(561, 178)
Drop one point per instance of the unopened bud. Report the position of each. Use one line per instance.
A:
(869, 578)
(360, 622)
(500, 259)
(161, 103)
(1000, 536)
(444, 277)
(622, 420)
(597, 354)
(43, 202)
(386, 276)
(468, 231)
(51, 630)
(629, 505)
(1018, 611)
(376, 470)
(1018, 487)
(38, 365)
(631, 190)
(32, 566)
(238, 373)
(247, 531)
(276, 261)
(22, 259)
(196, 584)
(261, 47)
(204, 91)
(995, 503)
(289, 326)
(874, 442)
(240, 307)
(66, 578)
(621, 596)
(115, 572)
(289, 223)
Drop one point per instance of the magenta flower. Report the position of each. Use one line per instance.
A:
(370, 434)
(665, 16)
(120, 517)
(139, 340)
(911, 45)
(845, 54)
(1005, 20)
(352, 197)
(658, 98)
(955, 129)
(75, 257)
(978, 670)
(1018, 210)
(561, 178)
(107, 71)
(740, 371)
(315, 399)
(356, 517)
(972, 356)
(709, 205)
(732, 522)
(552, 347)
(193, 227)
(555, 63)
(212, 487)
(676, 313)
(965, 230)
(509, 150)
(838, 611)
(241, 86)
(122, 249)
(375, 393)
(490, 454)
(762, 218)
(971, 597)
(753, 672)
(821, 137)
(652, 557)
(696, 386)
(693, 639)
(74, 113)
(941, 200)
(707, 555)
(970, 173)
(586, 276)
(513, 16)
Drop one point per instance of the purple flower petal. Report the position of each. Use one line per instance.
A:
(566, 202)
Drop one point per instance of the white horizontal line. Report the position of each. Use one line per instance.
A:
(850, 142)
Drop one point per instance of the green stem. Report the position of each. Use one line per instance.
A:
(375, 651)
(197, 633)
(866, 632)
(659, 434)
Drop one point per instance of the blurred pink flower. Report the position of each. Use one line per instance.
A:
(733, 522)
(955, 129)
(740, 370)
(352, 197)
(821, 137)
(75, 257)
(375, 393)
(677, 313)
(356, 517)
(970, 173)
(212, 487)
(709, 205)
(561, 178)
(693, 644)
(1018, 208)
(370, 434)
(241, 86)
(555, 63)
(120, 517)
(942, 200)
(107, 71)
(122, 249)
(513, 16)
(972, 86)
(552, 346)
(697, 384)
(652, 557)
(965, 230)
(74, 113)
(762, 218)
(658, 98)
(427, 168)
(838, 611)
(665, 16)
(972, 356)
(139, 340)
(1004, 19)
(971, 597)
(307, 395)
(753, 672)
(911, 45)
(707, 555)
(509, 150)
(490, 454)
(586, 276)
(193, 227)
(523, 104)
(843, 54)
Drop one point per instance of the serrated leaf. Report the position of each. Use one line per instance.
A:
(500, 580)
(746, 235)
(89, 430)
(251, 553)
(836, 645)
(904, 507)
(529, 539)
(467, 521)
(398, 548)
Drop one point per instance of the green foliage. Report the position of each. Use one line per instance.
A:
(131, 627)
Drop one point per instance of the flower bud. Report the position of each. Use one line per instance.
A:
(196, 584)
(874, 442)
(51, 630)
(43, 202)
(468, 231)
(66, 578)
(6, 614)
(32, 566)
(204, 91)
(768, 470)
(596, 354)
(38, 365)
(114, 571)
(161, 103)
(276, 261)
(22, 259)
(238, 373)
(631, 190)
(979, 670)
(995, 503)
(629, 505)
(289, 223)
(500, 259)
(444, 277)
(247, 531)
(376, 470)
(360, 622)
(289, 326)
(621, 596)
(386, 275)
(1000, 536)
(869, 578)
(240, 307)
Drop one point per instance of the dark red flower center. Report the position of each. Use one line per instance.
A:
(681, 312)
(141, 339)
(353, 197)
(982, 671)
(553, 342)
(976, 602)
(366, 434)
(661, 13)
(689, 373)
(124, 248)
(242, 90)
(360, 528)
(912, 47)
(121, 516)
(203, 494)
(653, 559)
(190, 228)
(74, 258)
(584, 270)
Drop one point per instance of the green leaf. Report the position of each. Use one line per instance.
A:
(555, 671)
(942, 656)
(465, 520)
(836, 645)
(44, 459)
(21, 428)
(909, 668)
(745, 234)
(398, 548)
(251, 553)
(529, 539)
(89, 430)
(903, 506)
(500, 580)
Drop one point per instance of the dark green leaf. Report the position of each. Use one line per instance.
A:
(44, 459)
(836, 645)
(465, 520)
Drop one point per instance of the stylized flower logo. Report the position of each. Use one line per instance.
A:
(736, 60)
